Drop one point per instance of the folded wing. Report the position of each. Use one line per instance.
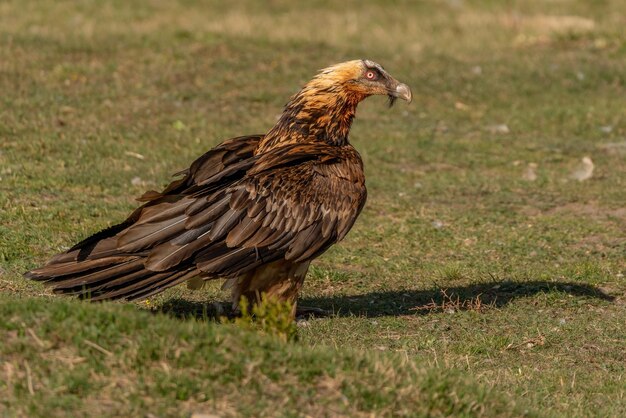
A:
(232, 211)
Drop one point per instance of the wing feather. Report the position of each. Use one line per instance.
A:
(209, 214)
(289, 205)
(242, 232)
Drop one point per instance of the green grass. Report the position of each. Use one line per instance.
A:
(463, 289)
(154, 364)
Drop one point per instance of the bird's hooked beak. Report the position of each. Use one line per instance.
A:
(403, 92)
(399, 91)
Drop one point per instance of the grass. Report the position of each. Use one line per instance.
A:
(463, 289)
(152, 364)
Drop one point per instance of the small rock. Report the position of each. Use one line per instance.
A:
(460, 106)
(607, 129)
(584, 171)
(137, 181)
(437, 224)
(499, 129)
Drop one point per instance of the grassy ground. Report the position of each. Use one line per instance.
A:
(481, 278)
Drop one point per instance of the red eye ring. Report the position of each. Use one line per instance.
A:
(370, 75)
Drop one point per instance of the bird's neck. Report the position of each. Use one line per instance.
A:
(314, 116)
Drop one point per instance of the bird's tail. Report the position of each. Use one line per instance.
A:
(93, 269)
(114, 277)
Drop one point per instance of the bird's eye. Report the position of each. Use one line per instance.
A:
(371, 75)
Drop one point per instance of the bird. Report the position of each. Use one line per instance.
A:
(253, 211)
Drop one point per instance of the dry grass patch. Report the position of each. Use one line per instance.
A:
(451, 303)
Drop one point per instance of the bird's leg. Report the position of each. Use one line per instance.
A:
(279, 281)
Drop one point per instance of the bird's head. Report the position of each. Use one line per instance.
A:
(323, 110)
(360, 79)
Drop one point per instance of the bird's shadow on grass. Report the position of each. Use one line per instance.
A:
(475, 297)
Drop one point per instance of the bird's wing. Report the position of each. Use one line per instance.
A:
(290, 203)
(220, 166)
(293, 203)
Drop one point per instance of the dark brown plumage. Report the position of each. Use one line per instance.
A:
(254, 210)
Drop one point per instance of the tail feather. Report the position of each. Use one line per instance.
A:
(99, 278)
(97, 269)
(70, 268)
(115, 283)
(126, 289)
(159, 286)
(110, 278)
